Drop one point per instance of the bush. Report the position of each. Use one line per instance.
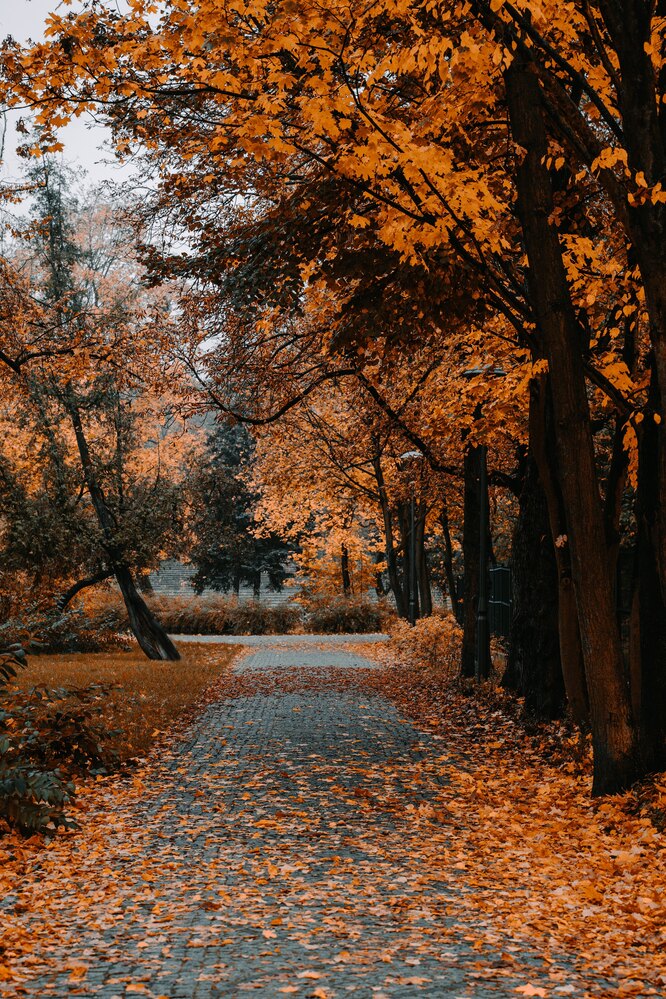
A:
(30, 797)
(73, 630)
(347, 616)
(223, 616)
(227, 616)
(63, 728)
(48, 737)
(254, 618)
(434, 641)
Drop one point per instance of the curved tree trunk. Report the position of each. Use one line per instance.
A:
(147, 630)
(82, 584)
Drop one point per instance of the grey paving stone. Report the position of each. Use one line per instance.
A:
(293, 658)
(265, 847)
(284, 640)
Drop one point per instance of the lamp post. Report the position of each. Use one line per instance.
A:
(410, 456)
(482, 657)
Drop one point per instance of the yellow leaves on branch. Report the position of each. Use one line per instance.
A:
(609, 158)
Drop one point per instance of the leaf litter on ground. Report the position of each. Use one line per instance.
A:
(505, 848)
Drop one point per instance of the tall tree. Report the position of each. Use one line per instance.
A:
(228, 550)
(75, 385)
(434, 121)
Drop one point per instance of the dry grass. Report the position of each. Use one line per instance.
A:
(148, 699)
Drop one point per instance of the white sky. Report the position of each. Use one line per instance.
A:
(24, 19)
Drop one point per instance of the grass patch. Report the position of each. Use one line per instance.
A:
(145, 700)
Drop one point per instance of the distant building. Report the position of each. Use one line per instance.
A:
(174, 579)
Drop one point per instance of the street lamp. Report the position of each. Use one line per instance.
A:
(482, 630)
(409, 456)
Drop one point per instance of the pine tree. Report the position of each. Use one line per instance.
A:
(228, 551)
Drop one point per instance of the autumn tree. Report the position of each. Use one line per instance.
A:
(90, 413)
(502, 138)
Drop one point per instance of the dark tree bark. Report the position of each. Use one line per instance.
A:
(542, 449)
(629, 24)
(344, 571)
(651, 697)
(380, 588)
(456, 604)
(616, 749)
(391, 557)
(256, 584)
(422, 571)
(147, 630)
(404, 524)
(471, 557)
(534, 668)
(145, 584)
(98, 577)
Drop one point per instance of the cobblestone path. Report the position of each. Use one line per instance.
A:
(272, 852)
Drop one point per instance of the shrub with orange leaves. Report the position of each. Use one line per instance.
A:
(347, 615)
(433, 641)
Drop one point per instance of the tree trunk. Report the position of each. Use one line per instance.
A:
(391, 559)
(404, 524)
(456, 604)
(98, 577)
(422, 573)
(144, 584)
(256, 584)
(616, 750)
(380, 588)
(634, 652)
(542, 449)
(651, 602)
(615, 484)
(630, 25)
(534, 668)
(344, 571)
(471, 556)
(147, 630)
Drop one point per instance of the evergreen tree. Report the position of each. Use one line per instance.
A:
(228, 552)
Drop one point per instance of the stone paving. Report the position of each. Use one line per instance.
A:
(262, 855)
(284, 641)
(290, 658)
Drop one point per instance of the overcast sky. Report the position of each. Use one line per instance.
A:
(24, 19)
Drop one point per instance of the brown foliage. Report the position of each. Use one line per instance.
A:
(145, 700)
